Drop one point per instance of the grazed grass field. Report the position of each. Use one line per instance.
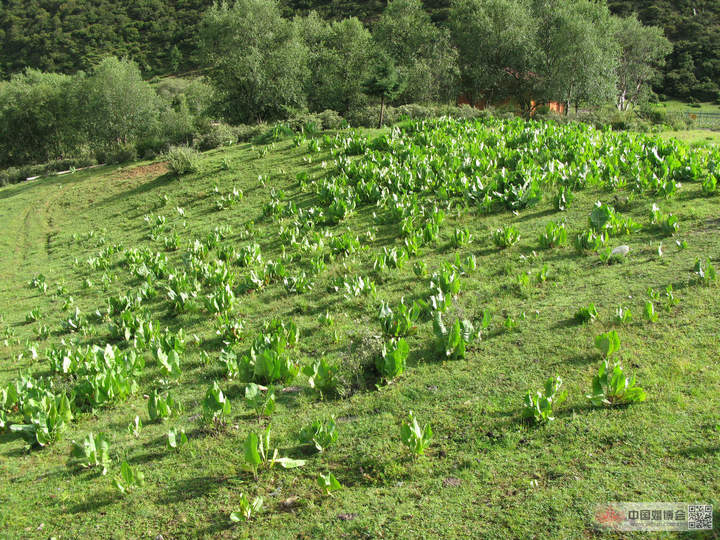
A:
(486, 473)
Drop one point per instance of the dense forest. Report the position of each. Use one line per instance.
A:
(161, 36)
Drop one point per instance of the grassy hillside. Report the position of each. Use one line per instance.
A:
(98, 237)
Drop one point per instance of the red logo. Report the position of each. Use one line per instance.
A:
(609, 517)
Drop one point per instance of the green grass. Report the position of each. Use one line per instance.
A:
(694, 137)
(486, 474)
(682, 106)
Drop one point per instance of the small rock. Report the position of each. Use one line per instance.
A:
(621, 250)
(346, 517)
(452, 482)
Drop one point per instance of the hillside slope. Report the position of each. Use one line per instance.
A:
(102, 240)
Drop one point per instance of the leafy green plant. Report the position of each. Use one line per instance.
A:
(460, 238)
(706, 274)
(215, 405)
(505, 236)
(650, 314)
(176, 439)
(401, 321)
(555, 235)
(415, 438)
(392, 359)
(129, 479)
(586, 313)
(182, 160)
(322, 376)
(328, 483)
(33, 316)
(93, 452)
(258, 453)
(608, 343)
(161, 407)
(454, 341)
(263, 403)
(610, 386)
(447, 280)
(667, 223)
(710, 185)
(623, 315)
(46, 418)
(135, 427)
(539, 406)
(247, 508)
(320, 433)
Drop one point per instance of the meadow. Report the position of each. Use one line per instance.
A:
(403, 332)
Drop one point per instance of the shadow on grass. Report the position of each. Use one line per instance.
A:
(162, 180)
(193, 488)
(94, 502)
(699, 451)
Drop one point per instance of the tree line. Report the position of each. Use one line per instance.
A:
(261, 66)
(162, 36)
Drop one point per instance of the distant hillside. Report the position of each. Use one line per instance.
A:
(160, 34)
(693, 26)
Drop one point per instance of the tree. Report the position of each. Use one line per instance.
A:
(422, 52)
(119, 106)
(384, 82)
(338, 60)
(496, 40)
(256, 60)
(643, 52)
(534, 51)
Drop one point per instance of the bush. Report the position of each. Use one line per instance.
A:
(121, 153)
(368, 116)
(330, 119)
(219, 134)
(182, 160)
(245, 133)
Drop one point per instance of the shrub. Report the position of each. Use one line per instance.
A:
(245, 133)
(218, 135)
(330, 119)
(121, 153)
(182, 160)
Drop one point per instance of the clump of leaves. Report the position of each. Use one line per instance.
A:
(320, 433)
(257, 454)
(586, 313)
(665, 223)
(328, 483)
(392, 359)
(608, 343)
(540, 405)
(650, 314)
(705, 273)
(623, 315)
(135, 427)
(93, 451)
(322, 376)
(505, 236)
(215, 405)
(176, 439)
(247, 508)
(454, 341)
(161, 407)
(401, 320)
(263, 403)
(415, 438)
(611, 386)
(460, 238)
(128, 479)
(555, 235)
